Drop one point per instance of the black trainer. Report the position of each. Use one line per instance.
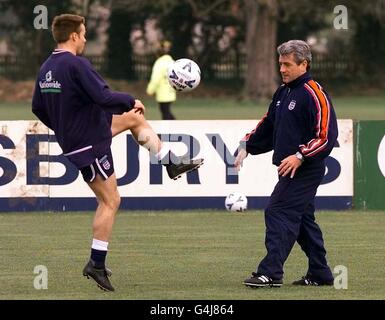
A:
(99, 275)
(307, 281)
(260, 281)
(175, 171)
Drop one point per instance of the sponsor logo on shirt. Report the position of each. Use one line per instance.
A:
(48, 76)
(49, 84)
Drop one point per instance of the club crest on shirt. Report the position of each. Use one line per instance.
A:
(106, 164)
(291, 105)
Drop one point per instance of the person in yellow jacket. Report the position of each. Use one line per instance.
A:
(165, 95)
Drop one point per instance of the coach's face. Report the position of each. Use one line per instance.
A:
(289, 69)
(80, 39)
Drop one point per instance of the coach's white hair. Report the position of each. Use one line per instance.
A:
(299, 48)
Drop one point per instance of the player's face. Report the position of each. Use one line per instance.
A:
(289, 69)
(81, 40)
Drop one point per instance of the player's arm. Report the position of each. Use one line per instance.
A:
(324, 127)
(37, 108)
(260, 140)
(98, 90)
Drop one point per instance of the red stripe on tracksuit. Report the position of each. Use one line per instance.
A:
(320, 141)
(247, 136)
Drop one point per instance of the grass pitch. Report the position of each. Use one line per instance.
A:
(369, 107)
(182, 255)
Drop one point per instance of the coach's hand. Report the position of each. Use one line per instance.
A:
(139, 107)
(289, 164)
(242, 154)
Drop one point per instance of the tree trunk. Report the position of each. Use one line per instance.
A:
(120, 64)
(261, 30)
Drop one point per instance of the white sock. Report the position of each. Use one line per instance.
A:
(99, 245)
(162, 152)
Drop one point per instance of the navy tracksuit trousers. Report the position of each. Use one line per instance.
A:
(289, 217)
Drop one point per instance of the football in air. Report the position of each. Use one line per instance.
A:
(184, 75)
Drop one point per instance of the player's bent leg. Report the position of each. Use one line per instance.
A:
(139, 127)
(130, 120)
(146, 137)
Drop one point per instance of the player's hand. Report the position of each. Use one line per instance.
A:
(139, 107)
(289, 165)
(242, 154)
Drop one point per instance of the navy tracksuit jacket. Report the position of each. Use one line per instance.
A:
(300, 118)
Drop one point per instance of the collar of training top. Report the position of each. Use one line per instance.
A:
(301, 79)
